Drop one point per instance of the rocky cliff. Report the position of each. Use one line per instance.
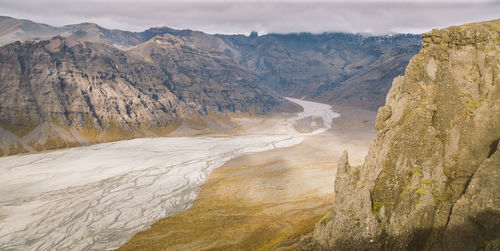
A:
(65, 91)
(91, 84)
(335, 68)
(430, 180)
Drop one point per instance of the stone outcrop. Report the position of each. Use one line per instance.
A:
(430, 180)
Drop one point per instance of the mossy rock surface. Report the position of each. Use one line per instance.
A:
(423, 185)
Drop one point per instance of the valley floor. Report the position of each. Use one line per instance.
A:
(97, 197)
(264, 200)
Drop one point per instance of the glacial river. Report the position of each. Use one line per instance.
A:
(96, 197)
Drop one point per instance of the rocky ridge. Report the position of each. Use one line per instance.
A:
(67, 92)
(91, 84)
(334, 68)
(430, 180)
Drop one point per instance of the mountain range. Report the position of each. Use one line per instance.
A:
(82, 83)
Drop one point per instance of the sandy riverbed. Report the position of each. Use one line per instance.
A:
(265, 200)
(259, 201)
(97, 197)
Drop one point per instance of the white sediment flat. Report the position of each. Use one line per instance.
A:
(96, 197)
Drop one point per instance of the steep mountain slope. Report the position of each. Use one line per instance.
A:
(430, 180)
(336, 68)
(65, 92)
(224, 80)
(97, 84)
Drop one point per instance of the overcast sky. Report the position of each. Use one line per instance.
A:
(279, 16)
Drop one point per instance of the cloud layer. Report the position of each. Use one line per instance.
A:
(281, 16)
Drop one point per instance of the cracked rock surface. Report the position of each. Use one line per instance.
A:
(430, 180)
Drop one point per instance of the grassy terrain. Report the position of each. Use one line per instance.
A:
(267, 200)
(260, 201)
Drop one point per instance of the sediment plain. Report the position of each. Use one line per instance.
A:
(96, 197)
(265, 200)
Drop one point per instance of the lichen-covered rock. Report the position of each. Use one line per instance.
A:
(430, 180)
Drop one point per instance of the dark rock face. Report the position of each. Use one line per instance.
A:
(430, 180)
(334, 68)
(65, 92)
(226, 86)
(97, 84)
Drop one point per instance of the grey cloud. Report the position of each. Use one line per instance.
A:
(224, 16)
